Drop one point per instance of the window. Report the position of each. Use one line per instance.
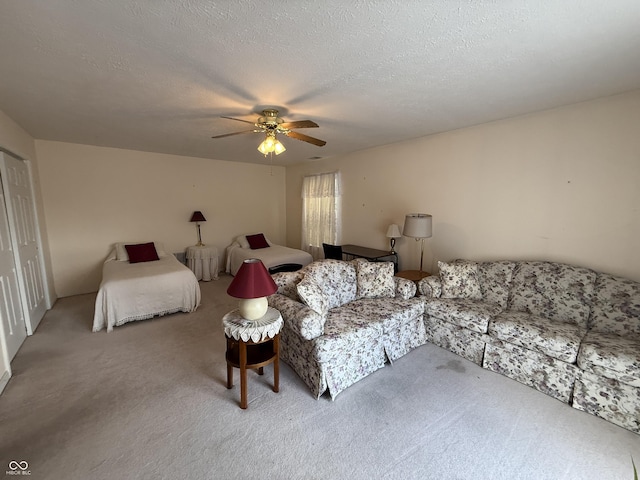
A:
(321, 212)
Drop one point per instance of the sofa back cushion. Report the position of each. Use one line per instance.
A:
(495, 281)
(616, 306)
(336, 279)
(553, 290)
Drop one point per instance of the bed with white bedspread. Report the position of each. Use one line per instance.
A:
(137, 291)
(270, 254)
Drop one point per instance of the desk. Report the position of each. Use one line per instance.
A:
(252, 345)
(414, 275)
(372, 254)
(203, 262)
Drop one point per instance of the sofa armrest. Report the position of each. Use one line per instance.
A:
(405, 289)
(298, 317)
(430, 286)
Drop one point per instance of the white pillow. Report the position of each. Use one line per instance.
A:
(123, 256)
(460, 280)
(242, 240)
(375, 280)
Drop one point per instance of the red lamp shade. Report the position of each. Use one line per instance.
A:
(197, 217)
(252, 281)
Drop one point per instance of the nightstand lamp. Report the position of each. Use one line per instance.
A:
(198, 217)
(252, 285)
(393, 232)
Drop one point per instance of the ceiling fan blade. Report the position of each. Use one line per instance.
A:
(299, 124)
(235, 133)
(239, 120)
(306, 138)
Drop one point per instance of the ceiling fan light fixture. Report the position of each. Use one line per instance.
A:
(278, 148)
(271, 144)
(262, 148)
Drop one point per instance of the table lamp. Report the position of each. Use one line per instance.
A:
(393, 232)
(418, 226)
(198, 217)
(252, 284)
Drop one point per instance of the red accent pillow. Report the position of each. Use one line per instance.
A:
(257, 241)
(142, 252)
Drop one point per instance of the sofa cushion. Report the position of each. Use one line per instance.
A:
(459, 280)
(336, 278)
(559, 340)
(616, 308)
(553, 290)
(375, 279)
(471, 314)
(611, 356)
(392, 312)
(345, 331)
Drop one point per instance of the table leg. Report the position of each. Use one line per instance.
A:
(229, 367)
(276, 364)
(243, 374)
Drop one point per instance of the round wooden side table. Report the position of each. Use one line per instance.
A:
(252, 344)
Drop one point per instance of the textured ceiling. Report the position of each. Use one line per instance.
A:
(157, 75)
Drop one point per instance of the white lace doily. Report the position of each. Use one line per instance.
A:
(239, 328)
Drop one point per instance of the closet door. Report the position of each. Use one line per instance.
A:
(13, 324)
(23, 227)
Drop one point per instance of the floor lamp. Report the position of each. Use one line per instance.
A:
(418, 226)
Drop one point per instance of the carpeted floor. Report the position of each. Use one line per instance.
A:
(148, 401)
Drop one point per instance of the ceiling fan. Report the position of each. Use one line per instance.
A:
(270, 124)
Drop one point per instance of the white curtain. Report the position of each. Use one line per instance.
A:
(321, 212)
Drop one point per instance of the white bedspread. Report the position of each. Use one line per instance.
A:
(271, 256)
(135, 291)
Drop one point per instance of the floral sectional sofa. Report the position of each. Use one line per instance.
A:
(345, 320)
(567, 331)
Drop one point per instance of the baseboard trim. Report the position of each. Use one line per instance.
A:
(4, 380)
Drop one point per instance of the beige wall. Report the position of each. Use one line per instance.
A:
(560, 185)
(96, 196)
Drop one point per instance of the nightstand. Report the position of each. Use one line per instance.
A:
(203, 261)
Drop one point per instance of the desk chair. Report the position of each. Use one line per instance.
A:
(332, 251)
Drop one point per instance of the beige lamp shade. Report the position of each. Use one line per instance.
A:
(417, 225)
(393, 231)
